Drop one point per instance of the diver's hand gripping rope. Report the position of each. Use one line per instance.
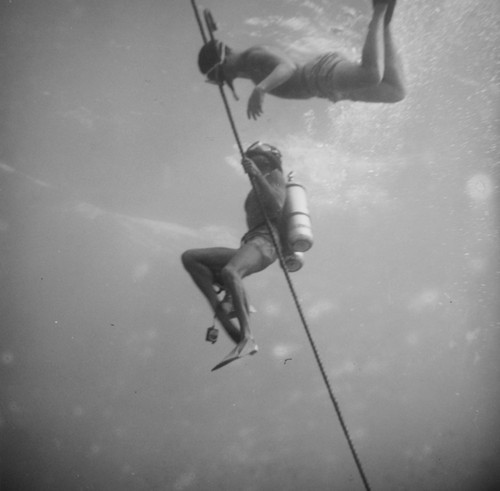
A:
(211, 26)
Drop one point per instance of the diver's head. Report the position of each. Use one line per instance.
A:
(264, 154)
(211, 59)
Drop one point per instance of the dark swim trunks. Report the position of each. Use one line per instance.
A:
(317, 76)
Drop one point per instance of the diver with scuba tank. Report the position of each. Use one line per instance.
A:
(222, 269)
(226, 267)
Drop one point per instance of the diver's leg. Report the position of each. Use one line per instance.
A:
(348, 75)
(391, 88)
(246, 261)
(393, 71)
(202, 264)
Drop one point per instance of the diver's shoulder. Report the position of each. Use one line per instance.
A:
(264, 50)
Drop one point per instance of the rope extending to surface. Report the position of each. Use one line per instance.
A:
(277, 245)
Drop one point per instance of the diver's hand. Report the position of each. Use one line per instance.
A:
(254, 109)
(249, 166)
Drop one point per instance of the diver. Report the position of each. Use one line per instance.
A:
(221, 267)
(378, 77)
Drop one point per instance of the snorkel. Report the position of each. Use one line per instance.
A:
(211, 59)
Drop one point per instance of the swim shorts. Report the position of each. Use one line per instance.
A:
(261, 238)
(317, 76)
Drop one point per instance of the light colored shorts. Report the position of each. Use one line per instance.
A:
(261, 238)
(317, 76)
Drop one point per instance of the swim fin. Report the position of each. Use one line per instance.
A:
(229, 358)
(238, 352)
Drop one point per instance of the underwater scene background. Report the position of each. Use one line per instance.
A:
(115, 157)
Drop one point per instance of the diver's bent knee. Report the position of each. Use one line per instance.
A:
(400, 95)
(396, 96)
(188, 258)
(372, 76)
(229, 273)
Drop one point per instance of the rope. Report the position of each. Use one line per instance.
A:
(281, 258)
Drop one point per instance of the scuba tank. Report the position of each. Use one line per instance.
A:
(296, 214)
(294, 261)
(296, 235)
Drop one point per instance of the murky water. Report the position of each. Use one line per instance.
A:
(116, 156)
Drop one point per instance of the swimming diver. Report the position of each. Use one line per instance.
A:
(378, 77)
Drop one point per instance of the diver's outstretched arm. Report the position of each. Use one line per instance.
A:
(267, 67)
(278, 76)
